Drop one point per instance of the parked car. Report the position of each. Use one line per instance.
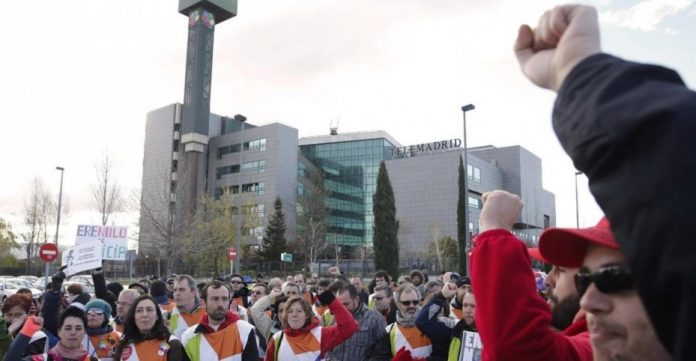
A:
(31, 279)
(10, 286)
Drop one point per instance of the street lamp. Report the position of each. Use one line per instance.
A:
(577, 206)
(240, 118)
(465, 109)
(60, 198)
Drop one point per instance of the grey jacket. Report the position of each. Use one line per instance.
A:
(371, 329)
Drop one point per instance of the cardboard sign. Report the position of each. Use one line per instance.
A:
(114, 238)
(83, 257)
(472, 348)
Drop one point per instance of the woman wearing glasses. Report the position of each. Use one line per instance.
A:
(303, 337)
(101, 338)
(145, 336)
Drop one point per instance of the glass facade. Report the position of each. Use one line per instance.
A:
(350, 169)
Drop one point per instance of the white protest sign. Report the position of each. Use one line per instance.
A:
(471, 347)
(114, 238)
(83, 257)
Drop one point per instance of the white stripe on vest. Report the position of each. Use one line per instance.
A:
(177, 324)
(398, 341)
(133, 354)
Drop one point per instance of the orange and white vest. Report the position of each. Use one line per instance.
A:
(150, 350)
(180, 322)
(102, 346)
(411, 338)
(224, 345)
(306, 347)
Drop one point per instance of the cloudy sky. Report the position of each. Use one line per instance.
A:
(77, 80)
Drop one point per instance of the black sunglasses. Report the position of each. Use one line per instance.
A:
(407, 303)
(609, 280)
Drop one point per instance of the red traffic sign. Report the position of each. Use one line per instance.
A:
(231, 253)
(48, 252)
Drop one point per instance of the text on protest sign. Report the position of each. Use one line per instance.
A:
(83, 257)
(471, 347)
(114, 238)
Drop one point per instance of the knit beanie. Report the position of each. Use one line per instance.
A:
(100, 305)
(82, 298)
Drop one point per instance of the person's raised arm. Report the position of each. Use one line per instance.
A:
(565, 36)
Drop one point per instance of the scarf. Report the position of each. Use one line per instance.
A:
(407, 321)
(99, 331)
(204, 325)
(60, 352)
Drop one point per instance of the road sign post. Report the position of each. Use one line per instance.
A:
(232, 256)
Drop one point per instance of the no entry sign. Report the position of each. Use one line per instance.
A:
(232, 253)
(48, 252)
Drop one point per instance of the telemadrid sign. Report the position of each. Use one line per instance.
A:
(426, 147)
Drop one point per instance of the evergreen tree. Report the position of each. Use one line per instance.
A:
(274, 238)
(462, 227)
(385, 241)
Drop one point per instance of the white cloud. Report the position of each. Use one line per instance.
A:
(647, 15)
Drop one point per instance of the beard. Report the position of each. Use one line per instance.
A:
(218, 314)
(563, 311)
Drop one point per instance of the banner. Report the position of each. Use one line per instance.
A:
(83, 257)
(114, 238)
(471, 347)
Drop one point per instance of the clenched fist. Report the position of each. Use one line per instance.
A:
(500, 210)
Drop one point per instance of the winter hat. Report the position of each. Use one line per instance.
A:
(82, 298)
(99, 304)
(115, 288)
(158, 288)
(139, 285)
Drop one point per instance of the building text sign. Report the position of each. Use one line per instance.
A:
(426, 147)
(114, 238)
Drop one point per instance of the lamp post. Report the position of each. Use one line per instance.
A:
(465, 109)
(577, 204)
(240, 118)
(60, 199)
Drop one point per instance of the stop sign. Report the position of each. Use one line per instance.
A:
(232, 253)
(48, 252)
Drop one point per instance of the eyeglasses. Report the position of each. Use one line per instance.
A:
(236, 282)
(94, 312)
(609, 280)
(408, 303)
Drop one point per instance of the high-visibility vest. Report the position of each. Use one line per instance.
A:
(168, 308)
(224, 345)
(305, 347)
(150, 350)
(102, 346)
(180, 322)
(456, 313)
(411, 338)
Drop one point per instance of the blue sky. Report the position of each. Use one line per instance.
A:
(76, 80)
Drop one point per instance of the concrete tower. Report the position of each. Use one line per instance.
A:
(203, 16)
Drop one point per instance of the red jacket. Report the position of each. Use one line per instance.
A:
(331, 336)
(512, 320)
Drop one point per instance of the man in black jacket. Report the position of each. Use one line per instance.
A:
(629, 127)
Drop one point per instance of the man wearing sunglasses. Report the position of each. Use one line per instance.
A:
(513, 321)
(404, 337)
(618, 323)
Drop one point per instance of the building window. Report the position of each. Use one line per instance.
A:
(234, 148)
(257, 166)
(259, 188)
(475, 202)
(230, 169)
(259, 144)
(547, 221)
(473, 173)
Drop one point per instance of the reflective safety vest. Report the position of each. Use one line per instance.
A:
(102, 346)
(411, 338)
(456, 313)
(224, 345)
(305, 347)
(180, 322)
(168, 308)
(150, 350)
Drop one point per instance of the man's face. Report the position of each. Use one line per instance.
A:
(217, 302)
(408, 304)
(256, 293)
(381, 301)
(380, 281)
(416, 280)
(618, 324)
(125, 300)
(350, 303)
(183, 295)
(469, 308)
(71, 333)
(236, 283)
(292, 291)
(299, 281)
(357, 283)
(170, 285)
(562, 296)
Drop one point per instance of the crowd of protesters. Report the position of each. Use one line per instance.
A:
(620, 290)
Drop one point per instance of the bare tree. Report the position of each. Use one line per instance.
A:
(107, 192)
(8, 242)
(440, 247)
(312, 215)
(39, 210)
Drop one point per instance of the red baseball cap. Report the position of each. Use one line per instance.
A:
(534, 253)
(566, 247)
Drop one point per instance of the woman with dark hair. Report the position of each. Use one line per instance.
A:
(303, 337)
(15, 312)
(71, 331)
(145, 336)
